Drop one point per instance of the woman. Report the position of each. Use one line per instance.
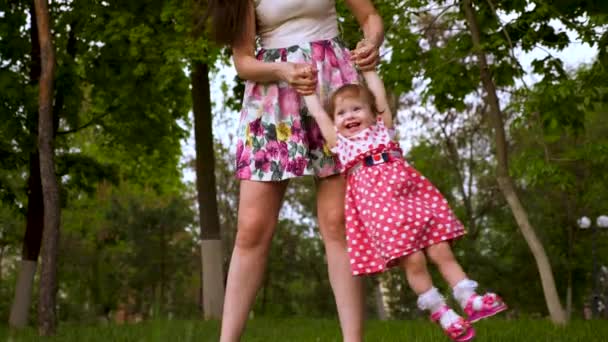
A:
(277, 139)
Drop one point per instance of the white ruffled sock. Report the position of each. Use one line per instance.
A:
(433, 301)
(464, 290)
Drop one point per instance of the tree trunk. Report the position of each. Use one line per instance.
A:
(163, 256)
(50, 190)
(380, 300)
(23, 294)
(35, 208)
(211, 243)
(2, 249)
(570, 233)
(460, 172)
(505, 182)
(31, 247)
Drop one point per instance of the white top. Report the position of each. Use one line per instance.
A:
(373, 137)
(283, 23)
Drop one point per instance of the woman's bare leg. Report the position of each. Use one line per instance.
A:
(348, 290)
(259, 206)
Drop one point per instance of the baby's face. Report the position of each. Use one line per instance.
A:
(352, 115)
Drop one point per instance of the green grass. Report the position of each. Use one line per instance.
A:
(317, 330)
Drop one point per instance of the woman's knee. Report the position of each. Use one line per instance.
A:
(254, 231)
(440, 253)
(259, 206)
(330, 208)
(331, 225)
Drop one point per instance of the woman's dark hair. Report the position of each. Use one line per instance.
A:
(229, 20)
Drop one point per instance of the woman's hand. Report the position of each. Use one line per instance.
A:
(300, 76)
(366, 55)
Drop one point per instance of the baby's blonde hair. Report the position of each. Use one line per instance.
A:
(357, 91)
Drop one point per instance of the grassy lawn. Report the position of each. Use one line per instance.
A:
(318, 330)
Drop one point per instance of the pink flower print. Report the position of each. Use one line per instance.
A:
(244, 113)
(346, 55)
(326, 74)
(349, 73)
(261, 161)
(327, 169)
(244, 173)
(337, 163)
(260, 55)
(318, 52)
(242, 161)
(315, 138)
(283, 154)
(337, 80)
(323, 52)
(289, 102)
(297, 133)
(272, 149)
(330, 55)
(330, 168)
(270, 99)
(256, 128)
(249, 89)
(297, 166)
(253, 91)
(346, 67)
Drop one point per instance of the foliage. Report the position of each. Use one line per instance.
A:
(122, 101)
(135, 250)
(325, 330)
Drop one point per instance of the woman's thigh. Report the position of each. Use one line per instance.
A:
(330, 207)
(259, 205)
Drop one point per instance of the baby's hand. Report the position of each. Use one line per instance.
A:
(300, 76)
(366, 55)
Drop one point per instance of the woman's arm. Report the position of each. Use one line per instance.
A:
(299, 76)
(376, 86)
(325, 123)
(371, 23)
(369, 20)
(243, 55)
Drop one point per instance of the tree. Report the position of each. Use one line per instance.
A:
(434, 44)
(505, 181)
(211, 243)
(50, 189)
(35, 210)
(555, 153)
(102, 64)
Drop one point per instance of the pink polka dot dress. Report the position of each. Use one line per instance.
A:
(391, 210)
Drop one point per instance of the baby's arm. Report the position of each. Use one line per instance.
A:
(323, 120)
(376, 86)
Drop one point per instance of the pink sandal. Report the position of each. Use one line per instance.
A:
(459, 331)
(491, 305)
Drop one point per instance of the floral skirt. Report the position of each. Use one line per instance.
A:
(277, 138)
